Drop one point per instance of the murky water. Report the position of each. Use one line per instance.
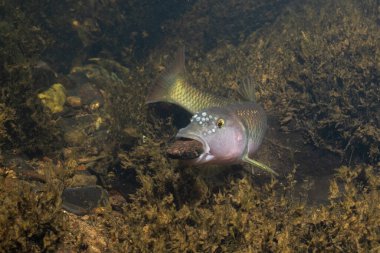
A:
(83, 159)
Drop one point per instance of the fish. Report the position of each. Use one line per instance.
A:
(230, 131)
(173, 87)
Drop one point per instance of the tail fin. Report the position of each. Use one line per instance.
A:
(161, 91)
(247, 89)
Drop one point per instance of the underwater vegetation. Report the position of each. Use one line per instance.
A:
(73, 83)
(6, 115)
(245, 218)
(316, 67)
(31, 219)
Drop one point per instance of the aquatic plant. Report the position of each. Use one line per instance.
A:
(316, 69)
(176, 210)
(30, 211)
(309, 50)
(6, 117)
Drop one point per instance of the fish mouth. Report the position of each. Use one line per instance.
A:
(206, 147)
(205, 155)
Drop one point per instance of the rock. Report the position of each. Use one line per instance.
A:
(74, 101)
(85, 199)
(184, 149)
(83, 179)
(53, 98)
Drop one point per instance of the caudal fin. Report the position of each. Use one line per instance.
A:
(166, 82)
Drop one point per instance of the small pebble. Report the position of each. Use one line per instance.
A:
(74, 101)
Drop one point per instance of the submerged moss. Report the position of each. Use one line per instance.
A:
(176, 211)
(6, 117)
(31, 219)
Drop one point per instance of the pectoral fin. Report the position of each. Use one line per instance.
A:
(259, 165)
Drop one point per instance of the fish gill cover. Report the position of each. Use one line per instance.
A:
(315, 63)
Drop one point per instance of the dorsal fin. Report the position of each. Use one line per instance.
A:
(161, 90)
(247, 89)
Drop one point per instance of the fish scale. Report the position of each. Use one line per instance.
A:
(193, 99)
(173, 87)
(254, 118)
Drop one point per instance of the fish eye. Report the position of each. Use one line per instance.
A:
(220, 123)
